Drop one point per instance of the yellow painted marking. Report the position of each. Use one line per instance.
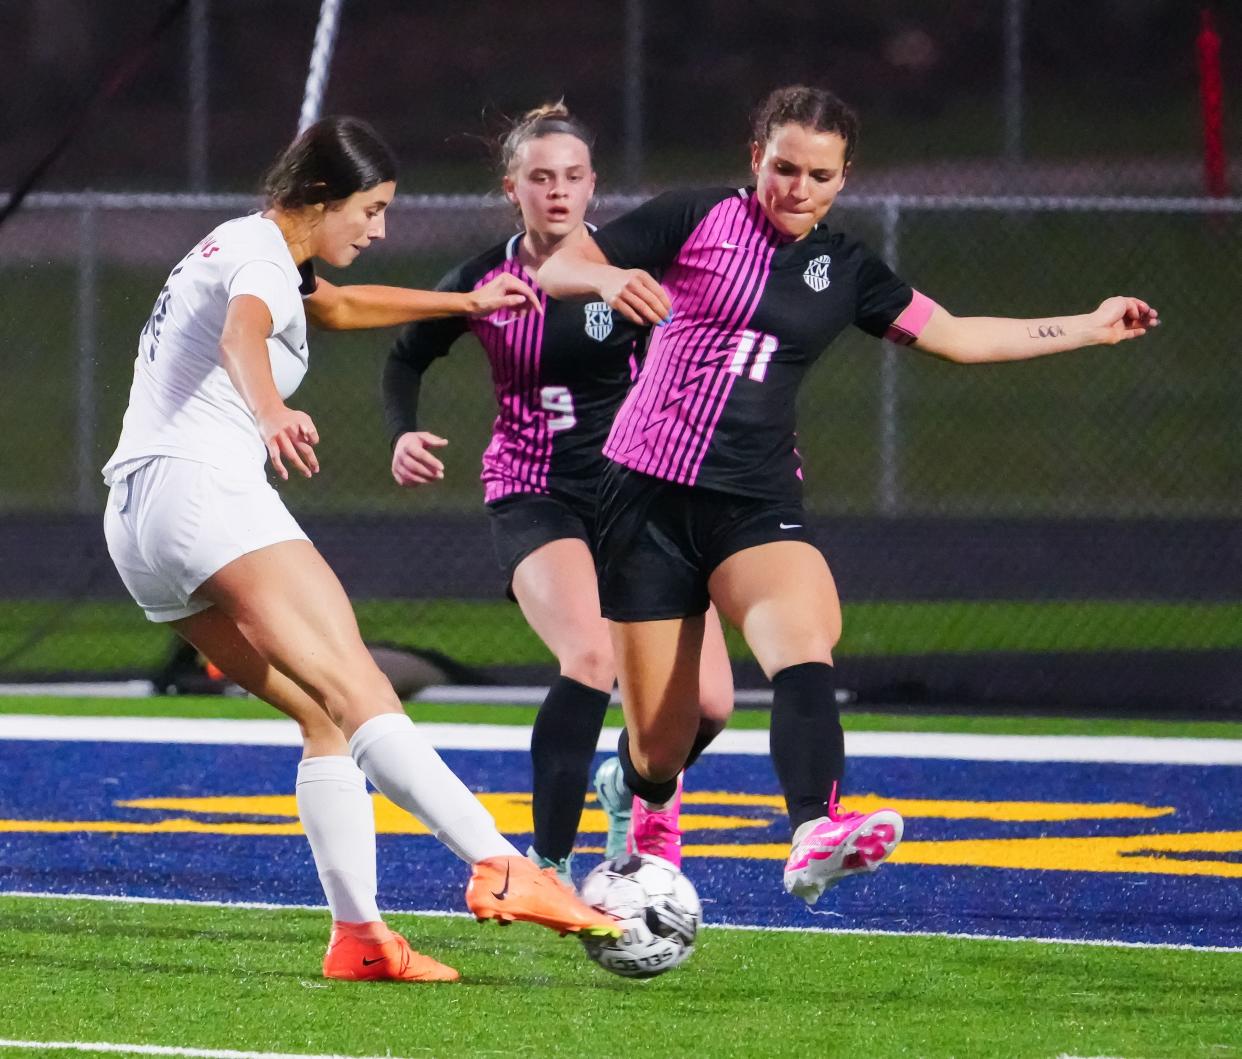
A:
(512, 812)
(277, 815)
(930, 808)
(1100, 853)
(179, 826)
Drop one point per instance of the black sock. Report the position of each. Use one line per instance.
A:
(562, 744)
(808, 746)
(648, 790)
(708, 730)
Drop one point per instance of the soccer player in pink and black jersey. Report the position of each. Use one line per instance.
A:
(559, 379)
(702, 499)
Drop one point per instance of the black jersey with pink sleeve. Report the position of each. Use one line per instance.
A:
(714, 403)
(559, 378)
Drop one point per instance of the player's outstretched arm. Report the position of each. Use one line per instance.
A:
(987, 339)
(288, 434)
(357, 306)
(581, 270)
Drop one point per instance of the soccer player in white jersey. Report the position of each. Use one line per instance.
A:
(204, 543)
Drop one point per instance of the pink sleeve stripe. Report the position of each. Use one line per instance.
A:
(909, 325)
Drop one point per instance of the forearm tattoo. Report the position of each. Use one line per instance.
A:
(1046, 331)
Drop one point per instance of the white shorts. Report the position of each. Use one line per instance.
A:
(172, 523)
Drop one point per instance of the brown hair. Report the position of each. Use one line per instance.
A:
(816, 108)
(546, 120)
(328, 162)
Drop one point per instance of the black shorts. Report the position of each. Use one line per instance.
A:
(525, 522)
(658, 542)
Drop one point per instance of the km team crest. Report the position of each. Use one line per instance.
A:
(816, 274)
(598, 320)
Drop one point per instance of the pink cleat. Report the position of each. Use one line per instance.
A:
(657, 834)
(832, 847)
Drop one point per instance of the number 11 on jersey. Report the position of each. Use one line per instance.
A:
(747, 342)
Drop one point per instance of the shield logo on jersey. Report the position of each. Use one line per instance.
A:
(816, 274)
(598, 320)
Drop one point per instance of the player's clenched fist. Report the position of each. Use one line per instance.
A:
(636, 296)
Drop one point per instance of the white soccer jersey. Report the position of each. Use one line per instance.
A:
(182, 402)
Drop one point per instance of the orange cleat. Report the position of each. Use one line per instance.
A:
(361, 955)
(512, 888)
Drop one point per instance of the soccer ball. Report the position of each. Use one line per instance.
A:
(659, 913)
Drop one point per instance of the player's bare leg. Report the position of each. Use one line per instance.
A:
(783, 598)
(290, 606)
(335, 810)
(557, 589)
(658, 670)
(632, 825)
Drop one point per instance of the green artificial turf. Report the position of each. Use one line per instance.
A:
(210, 977)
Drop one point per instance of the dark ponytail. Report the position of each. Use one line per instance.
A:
(328, 162)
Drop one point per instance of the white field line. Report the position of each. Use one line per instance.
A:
(746, 927)
(107, 1048)
(927, 745)
(102, 689)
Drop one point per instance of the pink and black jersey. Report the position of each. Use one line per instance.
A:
(559, 379)
(714, 403)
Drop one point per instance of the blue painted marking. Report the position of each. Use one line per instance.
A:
(83, 781)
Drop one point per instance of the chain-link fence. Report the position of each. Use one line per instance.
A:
(1081, 507)
(1107, 474)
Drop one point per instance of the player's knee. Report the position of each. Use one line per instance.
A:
(591, 664)
(657, 761)
(357, 694)
(796, 652)
(715, 702)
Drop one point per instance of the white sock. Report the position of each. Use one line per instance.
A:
(407, 770)
(339, 821)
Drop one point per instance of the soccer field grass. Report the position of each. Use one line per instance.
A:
(229, 978)
(1122, 861)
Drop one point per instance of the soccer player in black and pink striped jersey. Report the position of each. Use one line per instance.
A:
(559, 378)
(702, 499)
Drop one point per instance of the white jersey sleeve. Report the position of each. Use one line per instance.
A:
(268, 282)
(182, 402)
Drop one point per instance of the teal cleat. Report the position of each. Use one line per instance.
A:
(617, 801)
(564, 868)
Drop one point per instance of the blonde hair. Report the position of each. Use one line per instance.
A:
(546, 120)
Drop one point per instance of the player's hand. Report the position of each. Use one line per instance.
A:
(289, 435)
(505, 291)
(636, 296)
(412, 461)
(1118, 319)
